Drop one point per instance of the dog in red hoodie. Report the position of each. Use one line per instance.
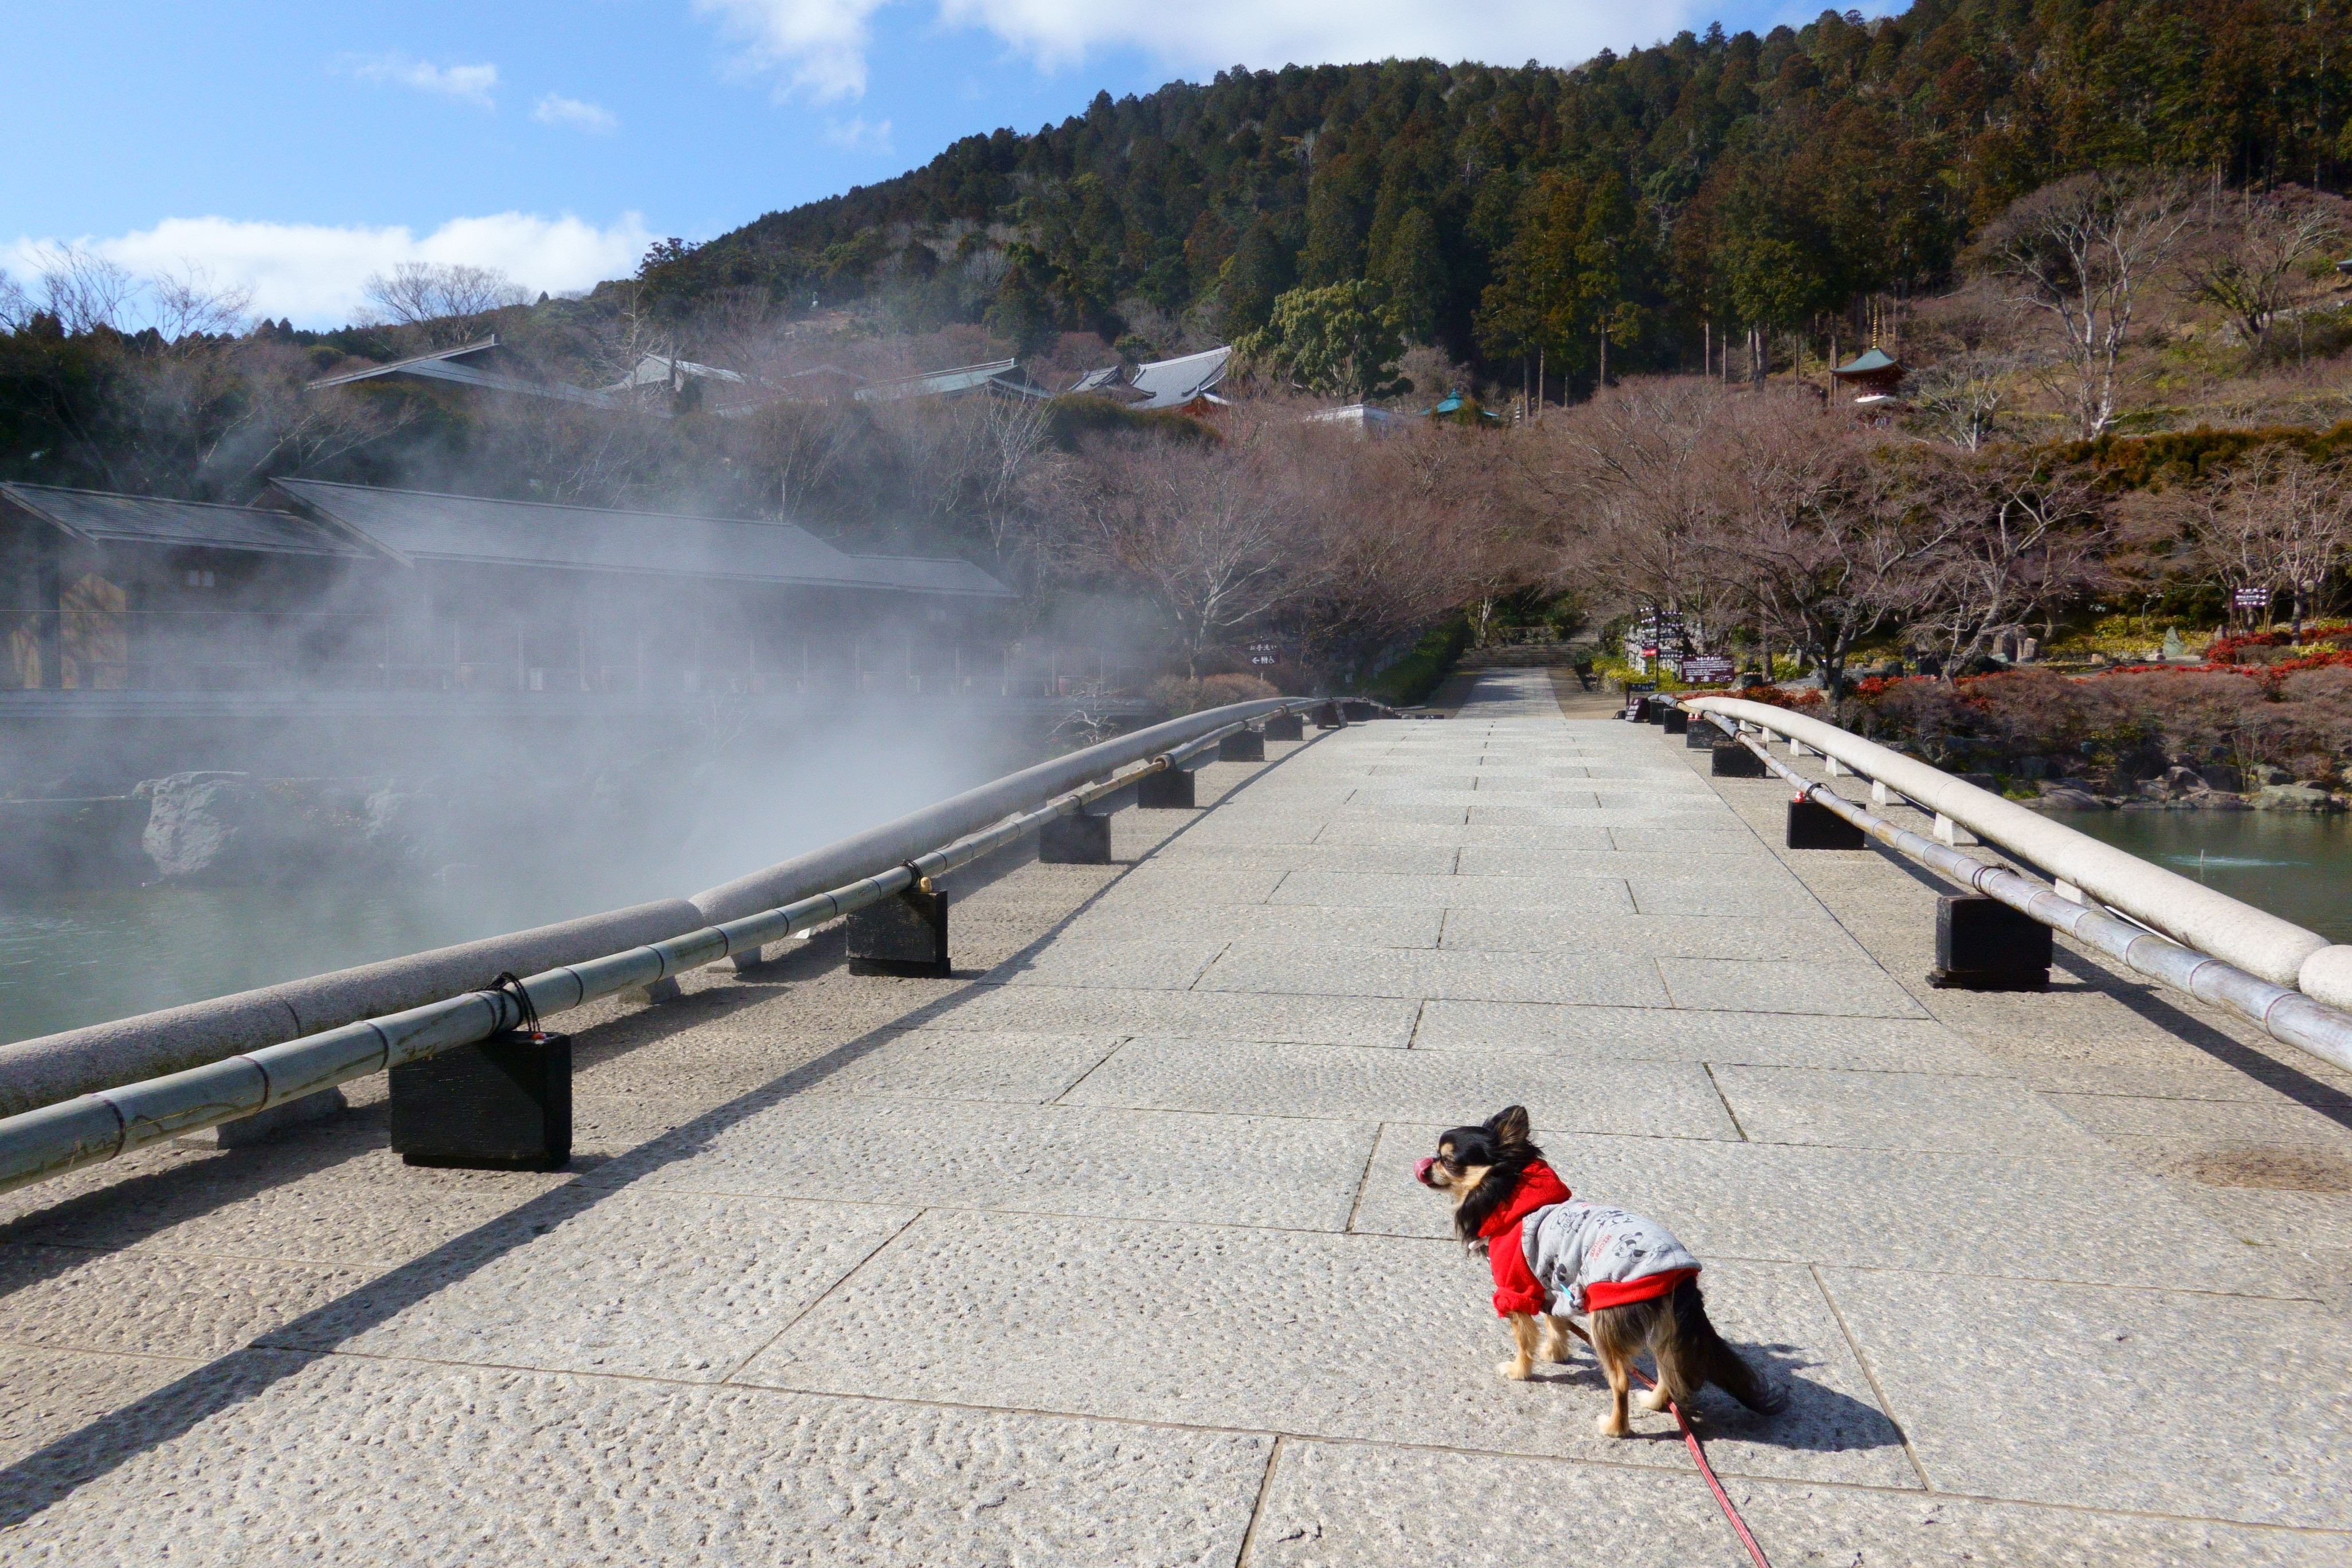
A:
(1553, 1254)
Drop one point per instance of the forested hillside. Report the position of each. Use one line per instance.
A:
(1722, 179)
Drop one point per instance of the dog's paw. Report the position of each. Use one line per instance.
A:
(1608, 1427)
(1652, 1399)
(1510, 1370)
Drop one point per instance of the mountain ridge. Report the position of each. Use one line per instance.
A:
(1711, 181)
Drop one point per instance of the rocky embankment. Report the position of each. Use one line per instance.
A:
(235, 830)
(2184, 789)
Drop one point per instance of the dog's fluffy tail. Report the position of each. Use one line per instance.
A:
(1716, 1362)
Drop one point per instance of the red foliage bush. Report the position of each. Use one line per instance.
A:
(2225, 650)
(2127, 724)
(1774, 696)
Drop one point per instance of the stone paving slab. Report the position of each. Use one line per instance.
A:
(1687, 817)
(1897, 1110)
(1331, 1505)
(1391, 927)
(1589, 836)
(285, 1458)
(156, 1303)
(2221, 1424)
(1665, 1099)
(1942, 1215)
(1731, 874)
(702, 1067)
(1695, 894)
(1319, 1336)
(1651, 936)
(44, 1393)
(1061, 1159)
(642, 1283)
(1652, 1033)
(1234, 1015)
(963, 1064)
(1163, 884)
(333, 1215)
(1519, 895)
(1388, 859)
(1774, 985)
(1683, 845)
(1166, 965)
(2222, 1123)
(1431, 973)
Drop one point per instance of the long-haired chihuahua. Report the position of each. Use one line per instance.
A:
(1554, 1255)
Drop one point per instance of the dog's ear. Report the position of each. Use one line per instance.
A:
(1509, 1125)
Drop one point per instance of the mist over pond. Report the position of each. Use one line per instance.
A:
(524, 838)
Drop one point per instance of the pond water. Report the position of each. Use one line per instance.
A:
(82, 957)
(71, 958)
(2297, 866)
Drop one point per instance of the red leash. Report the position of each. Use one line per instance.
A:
(1699, 1454)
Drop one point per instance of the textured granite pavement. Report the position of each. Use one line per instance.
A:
(1106, 1250)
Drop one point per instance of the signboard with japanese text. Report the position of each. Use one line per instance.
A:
(2252, 598)
(1712, 668)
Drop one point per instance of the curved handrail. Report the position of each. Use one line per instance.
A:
(2195, 915)
(112, 1121)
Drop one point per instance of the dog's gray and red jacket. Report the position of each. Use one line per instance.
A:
(1515, 1288)
(1585, 1258)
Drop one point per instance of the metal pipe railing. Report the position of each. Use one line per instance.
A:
(2287, 1014)
(44, 1071)
(108, 1123)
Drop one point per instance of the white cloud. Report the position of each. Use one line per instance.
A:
(467, 84)
(819, 47)
(858, 135)
(572, 112)
(313, 272)
(1210, 34)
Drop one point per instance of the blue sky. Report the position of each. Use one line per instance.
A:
(292, 149)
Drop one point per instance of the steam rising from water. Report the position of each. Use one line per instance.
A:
(518, 835)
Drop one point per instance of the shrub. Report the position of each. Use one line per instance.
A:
(1180, 696)
(2178, 457)
(2127, 724)
(1413, 676)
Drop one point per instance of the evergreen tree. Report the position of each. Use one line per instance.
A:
(1412, 270)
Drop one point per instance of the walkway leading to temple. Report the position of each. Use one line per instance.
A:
(1108, 1249)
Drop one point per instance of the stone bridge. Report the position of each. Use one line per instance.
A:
(1106, 1250)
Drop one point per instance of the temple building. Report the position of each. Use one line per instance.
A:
(335, 587)
(1876, 378)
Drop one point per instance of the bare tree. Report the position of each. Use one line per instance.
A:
(1196, 529)
(2018, 545)
(1970, 344)
(445, 301)
(82, 289)
(1638, 472)
(2248, 248)
(1395, 533)
(2275, 522)
(16, 305)
(1831, 537)
(801, 448)
(2080, 251)
(188, 303)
